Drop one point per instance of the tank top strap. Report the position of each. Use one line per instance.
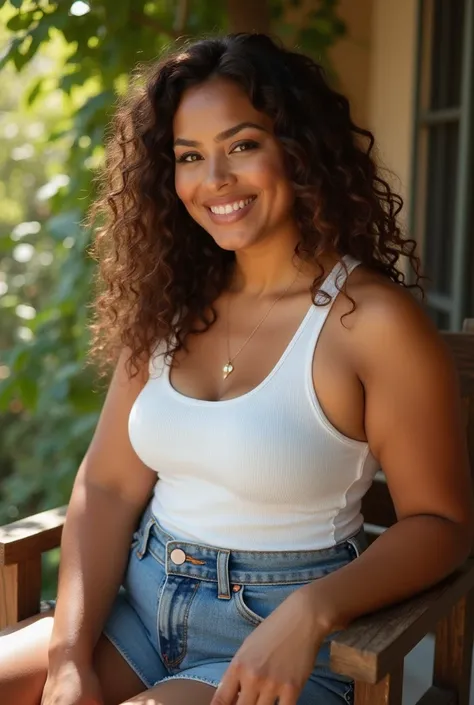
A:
(336, 278)
(319, 311)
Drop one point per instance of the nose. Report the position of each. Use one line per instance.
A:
(219, 174)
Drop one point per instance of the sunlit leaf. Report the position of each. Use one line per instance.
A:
(34, 92)
(21, 21)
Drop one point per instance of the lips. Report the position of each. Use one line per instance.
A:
(231, 211)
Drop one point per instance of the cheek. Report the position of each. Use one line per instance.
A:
(268, 173)
(185, 187)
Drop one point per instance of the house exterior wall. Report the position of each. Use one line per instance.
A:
(376, 64)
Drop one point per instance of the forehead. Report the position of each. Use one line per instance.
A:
(212, 107)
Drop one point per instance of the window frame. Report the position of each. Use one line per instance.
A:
(457, 305)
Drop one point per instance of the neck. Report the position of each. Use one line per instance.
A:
(260, 276)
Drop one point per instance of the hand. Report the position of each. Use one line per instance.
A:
(275, 661)
(72, 685)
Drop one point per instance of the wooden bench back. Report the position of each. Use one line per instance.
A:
(377, 505)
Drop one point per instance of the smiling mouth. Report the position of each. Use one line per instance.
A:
(232, 211)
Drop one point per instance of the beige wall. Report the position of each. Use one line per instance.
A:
(351, 56)
(376, 64)
(393, 73)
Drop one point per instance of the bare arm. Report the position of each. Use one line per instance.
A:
(110, 491)
(414, 428)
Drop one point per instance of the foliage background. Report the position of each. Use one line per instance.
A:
(63, 64)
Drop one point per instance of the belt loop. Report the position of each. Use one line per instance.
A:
(141, 550)
(223, 586)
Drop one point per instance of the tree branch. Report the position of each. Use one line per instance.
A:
(152, 23)
(182, 14)
(248, 15)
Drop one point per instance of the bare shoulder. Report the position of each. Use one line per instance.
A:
(379, 299)
(388, 326)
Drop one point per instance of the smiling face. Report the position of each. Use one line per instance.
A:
(230, 171)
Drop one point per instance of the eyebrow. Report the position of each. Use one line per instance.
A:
(222, 135)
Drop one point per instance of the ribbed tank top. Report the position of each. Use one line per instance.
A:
(263, 471)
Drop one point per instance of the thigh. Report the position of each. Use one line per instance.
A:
(175, 692)
(181, 691)
(24, 664)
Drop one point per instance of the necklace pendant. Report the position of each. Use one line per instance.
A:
(227, 369)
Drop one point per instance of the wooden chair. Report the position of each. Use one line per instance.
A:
(373, 648)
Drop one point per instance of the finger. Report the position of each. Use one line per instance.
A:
(227, 691)
(288, 696)
(249, 694)
(268, 697)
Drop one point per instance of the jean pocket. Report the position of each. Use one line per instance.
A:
(254, 603)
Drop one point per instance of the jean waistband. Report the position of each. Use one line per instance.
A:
(230, 567)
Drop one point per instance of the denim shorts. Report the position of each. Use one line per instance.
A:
(184, 609)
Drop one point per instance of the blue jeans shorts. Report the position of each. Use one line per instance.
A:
(184, 609)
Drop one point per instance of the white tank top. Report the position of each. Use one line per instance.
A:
(263, 471)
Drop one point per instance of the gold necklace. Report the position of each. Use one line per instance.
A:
(229, 367)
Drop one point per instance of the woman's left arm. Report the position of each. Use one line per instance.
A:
(414, 428)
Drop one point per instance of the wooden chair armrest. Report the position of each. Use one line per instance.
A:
(375, 644)
(24, 539)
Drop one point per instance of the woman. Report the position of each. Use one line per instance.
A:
(270, 360)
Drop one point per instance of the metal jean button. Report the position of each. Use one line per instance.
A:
(178, 556)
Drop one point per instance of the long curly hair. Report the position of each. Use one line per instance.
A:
(160, 271)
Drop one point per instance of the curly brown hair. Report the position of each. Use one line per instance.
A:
(160, 271)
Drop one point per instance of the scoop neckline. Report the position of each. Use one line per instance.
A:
(265, 380)
(330, 279)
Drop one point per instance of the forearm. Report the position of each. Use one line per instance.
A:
(94, 552)
(409, 557)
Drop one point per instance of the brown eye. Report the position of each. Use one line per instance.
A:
(188, 158)
(245, 146)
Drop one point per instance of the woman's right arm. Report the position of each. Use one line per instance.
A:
(109, 494)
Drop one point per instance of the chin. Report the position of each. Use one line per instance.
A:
(234, 243)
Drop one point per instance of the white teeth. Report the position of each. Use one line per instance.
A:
(231, 207)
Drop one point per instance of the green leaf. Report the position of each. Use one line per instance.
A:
(118, 13)
(38, 35)
(17, 358)
(11, 51)
(21, 21)
(16, 3)
(34, 92)
(72, 79)
(85, 425)
(93, 106)
(28, 391)
(64, 224)
(58, 391)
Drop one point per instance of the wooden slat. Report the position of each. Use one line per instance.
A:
(461, 346)
(20, 590)
(437, 696)
(26, 538)
(370, 647)
(453, 651)
(387, 691)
